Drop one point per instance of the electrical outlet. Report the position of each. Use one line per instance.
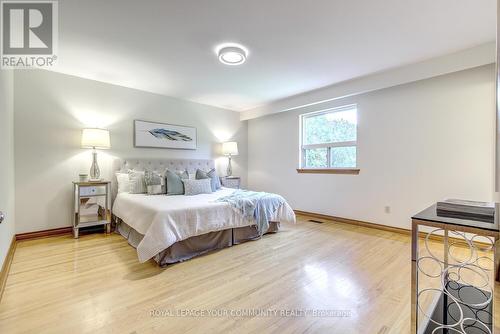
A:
(387, 209)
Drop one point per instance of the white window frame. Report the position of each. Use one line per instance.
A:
(328, 146)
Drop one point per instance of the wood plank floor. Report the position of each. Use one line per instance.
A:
(96, 285)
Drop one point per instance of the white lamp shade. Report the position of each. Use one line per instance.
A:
(230, 148)
(95, 138)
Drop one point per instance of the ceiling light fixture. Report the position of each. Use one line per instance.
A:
(232, 54)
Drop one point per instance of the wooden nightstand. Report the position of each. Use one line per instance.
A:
(231, 181)
(88, 206)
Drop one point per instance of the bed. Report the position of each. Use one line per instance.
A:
(170, 229)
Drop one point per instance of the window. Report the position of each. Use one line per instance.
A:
(329, 138)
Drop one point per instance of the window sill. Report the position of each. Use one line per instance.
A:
(352, 171)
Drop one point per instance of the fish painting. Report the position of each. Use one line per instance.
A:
(163, 135)
(169, 135)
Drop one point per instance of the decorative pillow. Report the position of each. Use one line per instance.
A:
(196, 187)
(174, 182)
(212, 175)
(137, 182)
(123, 182)
(215, 178)
(154, 182)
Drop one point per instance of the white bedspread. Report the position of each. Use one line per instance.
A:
(165, 220)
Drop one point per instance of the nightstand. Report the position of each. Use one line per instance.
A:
(91, 205)
(231, 181)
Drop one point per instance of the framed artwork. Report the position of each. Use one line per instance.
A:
(161, 135)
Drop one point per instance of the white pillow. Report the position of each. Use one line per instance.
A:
(123, 182)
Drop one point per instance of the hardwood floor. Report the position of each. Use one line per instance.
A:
(96, 285)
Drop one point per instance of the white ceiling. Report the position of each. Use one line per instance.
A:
(167, 47)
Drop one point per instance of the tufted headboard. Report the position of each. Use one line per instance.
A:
(159, 165)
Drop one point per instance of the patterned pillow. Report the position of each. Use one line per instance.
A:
(212, 175)
(196, 187)
(154, 182)
(174, 182)
(137, 182)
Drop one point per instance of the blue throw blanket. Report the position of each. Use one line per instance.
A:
(258, 205)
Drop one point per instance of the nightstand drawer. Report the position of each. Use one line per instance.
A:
(230, 182)
(92, 191)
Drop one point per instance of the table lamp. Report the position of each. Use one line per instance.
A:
(230, 148)
(95, 139)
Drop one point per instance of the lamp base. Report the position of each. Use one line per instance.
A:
(229, 170)
(95, 173)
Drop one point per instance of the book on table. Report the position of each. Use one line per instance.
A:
(466, 209)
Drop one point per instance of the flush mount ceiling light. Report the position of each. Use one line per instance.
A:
(232, 54)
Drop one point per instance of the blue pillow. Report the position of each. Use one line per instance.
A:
(215, 178)
(174, 182)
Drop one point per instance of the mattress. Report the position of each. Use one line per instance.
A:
(165, 220)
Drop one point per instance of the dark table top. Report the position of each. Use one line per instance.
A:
(430, 215)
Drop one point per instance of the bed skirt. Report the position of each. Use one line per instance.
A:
(197, 245)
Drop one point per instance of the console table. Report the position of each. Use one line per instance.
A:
(455, 265)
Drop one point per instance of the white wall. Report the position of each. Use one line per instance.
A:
(417, 143)
(7, 228)
(50, 111)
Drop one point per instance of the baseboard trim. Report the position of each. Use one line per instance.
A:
(433, 237)
(354, 222)
(6, 266)
(44, 234)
